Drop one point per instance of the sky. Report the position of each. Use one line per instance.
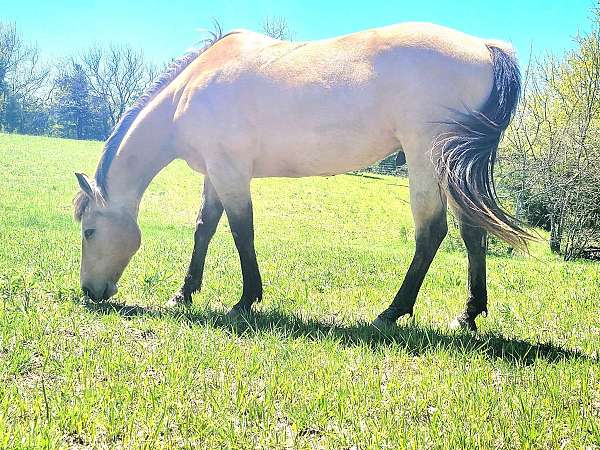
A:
(166, 29)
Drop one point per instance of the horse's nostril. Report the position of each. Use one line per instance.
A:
(100, 294)
(88, 292)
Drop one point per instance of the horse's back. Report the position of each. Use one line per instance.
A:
(344, 58)
(327, 106)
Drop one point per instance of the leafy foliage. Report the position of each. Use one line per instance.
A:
(553, 148)
(77, 112)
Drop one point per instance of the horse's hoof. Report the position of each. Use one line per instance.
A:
(383, 324)
(237, 313)
(178, 300)
(233, 314)
(463, 323)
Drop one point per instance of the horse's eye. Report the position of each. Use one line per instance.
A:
(89, 233)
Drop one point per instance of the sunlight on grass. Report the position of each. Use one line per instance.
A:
(306, 370)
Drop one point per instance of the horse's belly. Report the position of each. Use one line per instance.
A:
(292, 131)
(322, 133)
(315, 155)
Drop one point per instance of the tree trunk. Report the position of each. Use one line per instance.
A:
(555, 232)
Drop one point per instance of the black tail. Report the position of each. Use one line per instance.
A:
(467, 153)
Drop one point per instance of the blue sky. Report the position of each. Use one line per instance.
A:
(167, 28)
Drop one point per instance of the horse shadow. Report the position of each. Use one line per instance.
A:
(415, 339)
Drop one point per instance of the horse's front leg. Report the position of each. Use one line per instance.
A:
(233, 187)
(210, 213)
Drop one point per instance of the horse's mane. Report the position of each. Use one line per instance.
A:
(112, 144)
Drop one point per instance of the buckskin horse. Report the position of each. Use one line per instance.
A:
(247, 105)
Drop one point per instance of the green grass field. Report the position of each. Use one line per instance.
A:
(306, 371)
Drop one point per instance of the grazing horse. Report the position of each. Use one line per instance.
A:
(247, 105)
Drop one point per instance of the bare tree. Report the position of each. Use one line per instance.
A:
(22, 75)
(277, 27)
(117, 75)
(12, 53)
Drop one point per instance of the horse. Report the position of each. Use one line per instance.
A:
(246, 105)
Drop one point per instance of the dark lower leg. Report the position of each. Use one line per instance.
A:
(475, 239)
(242, 228)
(429, 236)
(206, 225)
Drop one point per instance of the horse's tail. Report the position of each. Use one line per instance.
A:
(467, 152)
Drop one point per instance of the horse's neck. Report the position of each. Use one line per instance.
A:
(142, 154)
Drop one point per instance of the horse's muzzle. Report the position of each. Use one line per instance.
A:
(102, 294)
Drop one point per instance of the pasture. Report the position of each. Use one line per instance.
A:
(305, 371)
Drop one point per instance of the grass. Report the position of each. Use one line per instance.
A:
(306, 371)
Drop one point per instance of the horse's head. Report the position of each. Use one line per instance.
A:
(110, 237)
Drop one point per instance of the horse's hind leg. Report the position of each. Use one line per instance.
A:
(210, 213)
(428, 206)
(476, 242)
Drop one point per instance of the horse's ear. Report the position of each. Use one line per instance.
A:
(85, 184)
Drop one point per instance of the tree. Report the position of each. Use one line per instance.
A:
(76, 112)
(554, 148)
(278, 28)
(22, 77)
(117, 75)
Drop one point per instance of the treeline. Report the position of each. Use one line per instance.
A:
(82, 96)
(551, 154)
